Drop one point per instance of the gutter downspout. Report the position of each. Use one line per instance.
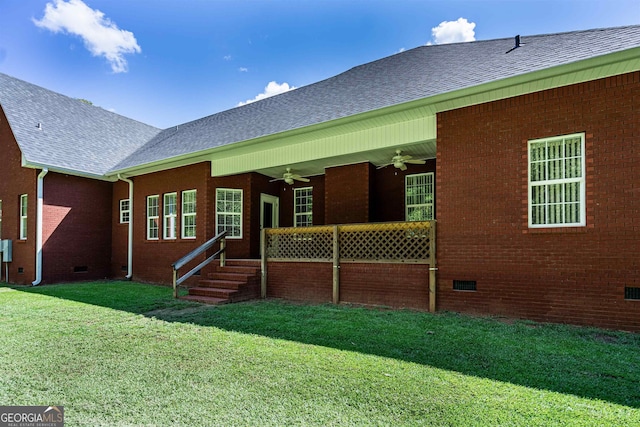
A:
(130, 236)
(40, 195)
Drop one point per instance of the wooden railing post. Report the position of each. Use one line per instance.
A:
(336, 265)
(433, 267)
(263, 263)
(223, 252)
(175, 284)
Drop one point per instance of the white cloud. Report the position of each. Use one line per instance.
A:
(227, 57)
(101, 36)
(454, 32)
(243, 69)
(271, 89)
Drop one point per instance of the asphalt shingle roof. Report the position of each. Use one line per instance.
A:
(86, 138)
(414, 74)
(73, 135)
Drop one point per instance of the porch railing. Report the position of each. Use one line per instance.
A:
(402, 242)
(177, 280)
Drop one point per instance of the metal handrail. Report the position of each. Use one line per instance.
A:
(177, 280)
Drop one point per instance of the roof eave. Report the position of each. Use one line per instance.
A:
(594, 68)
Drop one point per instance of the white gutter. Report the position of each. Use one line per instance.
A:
(40, 194)
(130, 236)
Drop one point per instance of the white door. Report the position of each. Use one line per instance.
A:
(269, 211)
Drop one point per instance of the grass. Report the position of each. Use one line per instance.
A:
(126, 354)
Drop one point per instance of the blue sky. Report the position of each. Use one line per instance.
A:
(166, 62)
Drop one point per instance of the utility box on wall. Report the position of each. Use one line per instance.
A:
(6, 249)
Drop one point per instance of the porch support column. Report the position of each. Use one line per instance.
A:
(433, 267)
(336, 266)
(263, 263)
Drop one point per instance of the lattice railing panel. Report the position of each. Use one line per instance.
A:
(300, 243)
(382, 242)
(387, 242)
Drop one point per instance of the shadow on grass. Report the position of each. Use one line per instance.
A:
(585, 362)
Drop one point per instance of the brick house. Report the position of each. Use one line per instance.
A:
(523, 151)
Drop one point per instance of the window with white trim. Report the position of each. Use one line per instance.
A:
(303, 207)
(556, 182)
(170, 213)
(189, 214)
(23, 217)
(153, 217)
(418, 190)
(229, 212)
(125, 211)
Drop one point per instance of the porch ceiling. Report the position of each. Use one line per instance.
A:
(422, 150)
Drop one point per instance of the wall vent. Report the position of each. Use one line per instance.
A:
(631, 293)
(464, 285)
(124, 268)
(20, 270)
(80, 269)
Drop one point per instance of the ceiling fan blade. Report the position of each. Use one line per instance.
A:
(405, 158)
(384, 166)
(299, 178)
(416, 162)
(277, 179)
(403, 167)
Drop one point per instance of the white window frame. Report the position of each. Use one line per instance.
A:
(125, 211)
(188, 212)
(548, 184)
(170, 216)
(24, 215)
(422, 203)
(222, 212)
(304, 218)
(153, 218)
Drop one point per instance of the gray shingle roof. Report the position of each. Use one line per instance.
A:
(86, 138)
(414, 74)
(73, 135)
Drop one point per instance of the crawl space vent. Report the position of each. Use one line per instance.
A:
(631, 293)
(464, 285)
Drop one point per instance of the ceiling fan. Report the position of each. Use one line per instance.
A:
(289, 177)
(399, 161)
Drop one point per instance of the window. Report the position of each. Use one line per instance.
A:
(303, 207)
(189, 214)
(556, 182)
(23, 217)
(125, 211)
(153, 217)
(169, 219)
(229, 212)
(419, 197)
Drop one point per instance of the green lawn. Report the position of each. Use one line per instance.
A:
(122, 354)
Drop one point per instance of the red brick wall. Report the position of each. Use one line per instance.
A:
(312, 281)
(348, 193)
(152, 259)
(574, 275)
(76, 229)
(14, 181)
(393, 285)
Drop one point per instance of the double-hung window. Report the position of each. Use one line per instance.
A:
(23, 217)
(303, 207)
(125, 211)
(153, 217)
(169, 212)
(229, 212)
(556, 182)
(418, 190)
(189, 214)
